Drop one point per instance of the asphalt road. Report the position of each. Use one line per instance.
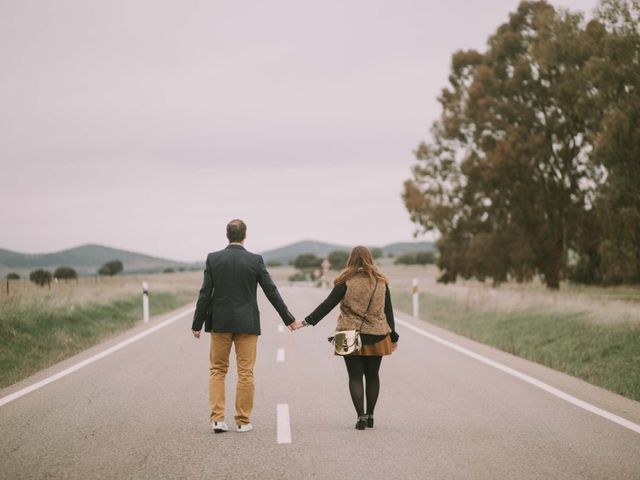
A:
(142, 412)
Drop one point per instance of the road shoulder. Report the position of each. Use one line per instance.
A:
(110, 342)
(612, 402)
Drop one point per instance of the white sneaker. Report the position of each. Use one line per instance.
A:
(219, 427)
(244, 428)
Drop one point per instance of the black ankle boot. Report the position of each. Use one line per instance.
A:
(369, 421)
(361, 424)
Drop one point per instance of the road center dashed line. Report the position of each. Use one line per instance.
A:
(283, 423)
(524, 377)
(280, 355)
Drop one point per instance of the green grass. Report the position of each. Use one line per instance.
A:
(603, 355)
(37, 335)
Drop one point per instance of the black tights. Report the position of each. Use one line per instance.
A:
(367, 367)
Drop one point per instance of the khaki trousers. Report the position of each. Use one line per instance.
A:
(246, 346)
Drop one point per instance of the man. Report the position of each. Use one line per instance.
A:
(228, 308)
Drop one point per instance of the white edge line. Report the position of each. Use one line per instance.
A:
(90, 360)
(526, 378)
(280, 355)
(283, 423)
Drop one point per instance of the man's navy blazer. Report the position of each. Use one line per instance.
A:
(227, 300)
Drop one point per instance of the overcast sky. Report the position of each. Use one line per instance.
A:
(147, 125)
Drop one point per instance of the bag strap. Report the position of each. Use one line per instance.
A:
(370, 300)
(365, 317)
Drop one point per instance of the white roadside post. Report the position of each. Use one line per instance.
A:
(145, 301)
(414, 297)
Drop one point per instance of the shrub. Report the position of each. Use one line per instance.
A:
(40, 277)
(307, 260)
(306, 275)
(65, 273)
(299, 277)
(168, 270)
(13, 276)
(338, 259)
(111, 268)
(273, 263)
(416, 258)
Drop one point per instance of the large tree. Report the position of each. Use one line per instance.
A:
(608, 246)
(507, 172)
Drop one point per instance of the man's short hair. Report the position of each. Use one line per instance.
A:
(236, 230)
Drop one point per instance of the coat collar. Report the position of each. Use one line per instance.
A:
(235, 246)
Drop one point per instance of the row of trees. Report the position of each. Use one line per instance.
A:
(533, 168)
(44, 277)
(337, 259)
(309, 265)
(416, 258)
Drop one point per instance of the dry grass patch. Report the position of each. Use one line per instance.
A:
(40, 326)
(612, 305)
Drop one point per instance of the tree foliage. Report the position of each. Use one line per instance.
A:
(65, 273)
(338, 259)
(40, 277)
(111, 268)
(609, 242)
(13, 276)
(306, 261)
(416, 258)
(531, 148)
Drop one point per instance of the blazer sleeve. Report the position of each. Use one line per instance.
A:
(204, 299)
(321, 311)
(271, 291)
(388, 312)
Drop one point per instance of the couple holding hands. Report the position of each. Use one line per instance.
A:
(227, 307)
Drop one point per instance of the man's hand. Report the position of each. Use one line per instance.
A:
(295, 325)
(196, 333)
(394, 347)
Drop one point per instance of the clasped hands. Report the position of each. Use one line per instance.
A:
(296, 325)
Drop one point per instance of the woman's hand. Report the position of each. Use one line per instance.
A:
(297, 324)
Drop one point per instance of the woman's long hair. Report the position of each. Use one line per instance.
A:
(360, 261)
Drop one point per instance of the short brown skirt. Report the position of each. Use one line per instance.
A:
(378, 349)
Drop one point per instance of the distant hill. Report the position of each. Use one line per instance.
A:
(289, 252)
(399, 248)
(85, 259)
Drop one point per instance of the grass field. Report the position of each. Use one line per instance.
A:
(91, 289)
(591, 333)
(41, 326)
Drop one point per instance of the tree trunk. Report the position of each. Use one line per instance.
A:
(552, 268)
(552, 279)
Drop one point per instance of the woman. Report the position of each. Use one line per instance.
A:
(365, 305)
